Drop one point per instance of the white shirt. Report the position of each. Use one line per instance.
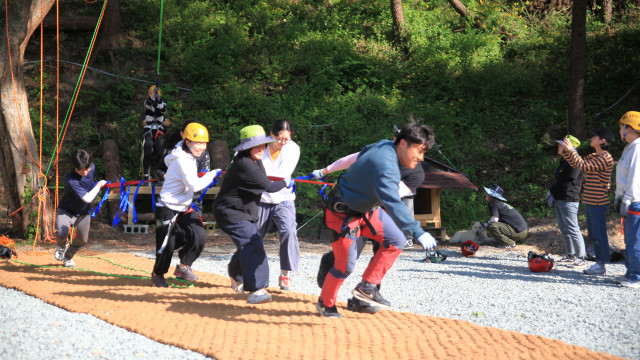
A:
(283, 167)
(182, 180)
(628, 173)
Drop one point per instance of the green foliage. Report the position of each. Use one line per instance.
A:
(489, 89)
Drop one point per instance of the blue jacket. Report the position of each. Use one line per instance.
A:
(373, 180)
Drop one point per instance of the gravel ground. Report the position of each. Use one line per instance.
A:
(494, 288)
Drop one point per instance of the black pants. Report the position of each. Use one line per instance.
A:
(187, 234)
(152, 142)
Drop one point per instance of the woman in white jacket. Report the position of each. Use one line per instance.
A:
(178, 225)
(280, 160)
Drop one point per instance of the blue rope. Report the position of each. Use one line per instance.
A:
(104, 198)
(124, 203)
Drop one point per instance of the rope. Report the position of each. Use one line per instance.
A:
(190, 284)
(617, 102)
(77, 89)
(104, 72)
(160, 39)
(57, 193)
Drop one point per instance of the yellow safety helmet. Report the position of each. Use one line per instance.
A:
(152, 89)
(631, 118)
(196, 132)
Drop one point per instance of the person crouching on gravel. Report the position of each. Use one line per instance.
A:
(505, 224)
(236, 212)
(628, 196)
(178, 225)
(353, 210)
(73, 210)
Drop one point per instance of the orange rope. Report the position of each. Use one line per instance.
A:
(41, 76)
(56, 198)
(84, 71)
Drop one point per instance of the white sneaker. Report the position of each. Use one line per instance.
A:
(238, 287)
(59, 254)
(259, 297)
(635, 284)
(579, 262)
(596, 269)
(69, 263)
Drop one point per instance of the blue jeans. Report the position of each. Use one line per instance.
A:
(567, 216)
(597, 230)
(248, 265)
(632, 242)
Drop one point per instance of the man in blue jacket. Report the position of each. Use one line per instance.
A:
(353, 210)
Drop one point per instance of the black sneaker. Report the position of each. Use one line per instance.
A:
(356, 305)
(185, 274)
(158, 280)
(369, 294)
(330, 312)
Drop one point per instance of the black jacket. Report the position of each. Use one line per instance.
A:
(241, 190)
(567, 183)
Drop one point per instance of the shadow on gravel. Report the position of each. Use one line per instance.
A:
(493, 267)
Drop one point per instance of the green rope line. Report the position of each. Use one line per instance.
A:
(76, 90)
(160, 38)
(190, 284)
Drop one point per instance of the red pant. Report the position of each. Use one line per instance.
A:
(344, 248)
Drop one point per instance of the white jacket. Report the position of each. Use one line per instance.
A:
(282, 167)
(182, 180)
(628, 173)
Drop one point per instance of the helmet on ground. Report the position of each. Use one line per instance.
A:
(631, 118)
(153, 89)
(469, 248)
(196, 132)
(540, 263)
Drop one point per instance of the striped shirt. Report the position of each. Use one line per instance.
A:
(598, 175)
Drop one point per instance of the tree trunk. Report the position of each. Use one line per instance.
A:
(70, 23)
(219, 153)
(109, 39)
(17, 142)
(606, 10)
(400, 30)
(112, 172)
(576, 115)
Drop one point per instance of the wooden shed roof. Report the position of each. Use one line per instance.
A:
(438, 175)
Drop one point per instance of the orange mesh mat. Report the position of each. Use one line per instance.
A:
(211, 319)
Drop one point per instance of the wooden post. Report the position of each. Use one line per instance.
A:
(112, 171)
(219, 152)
